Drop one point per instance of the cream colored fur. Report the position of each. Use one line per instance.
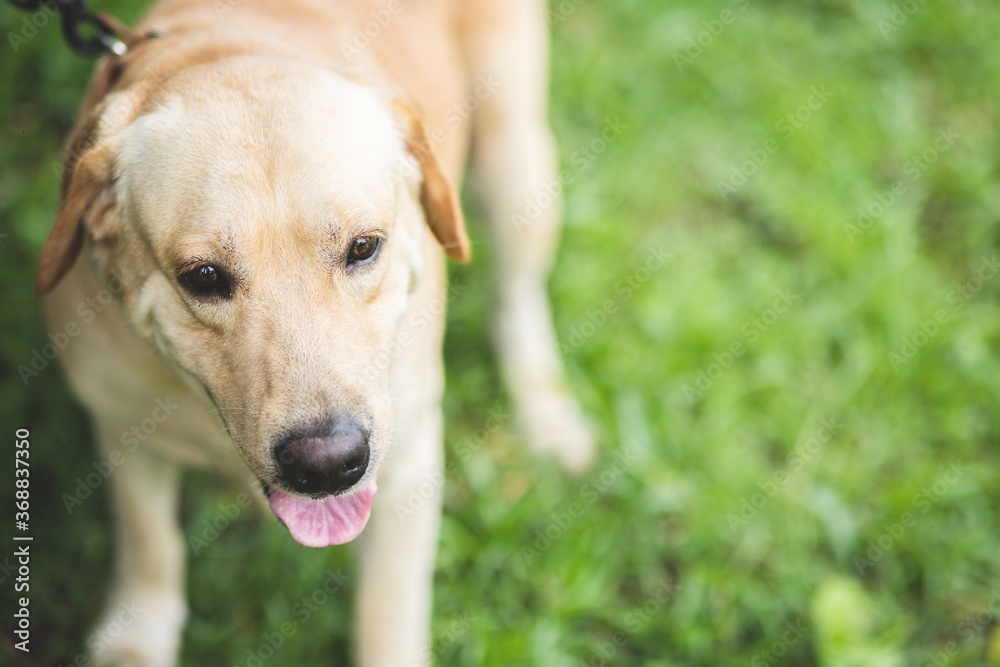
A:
(252, 138)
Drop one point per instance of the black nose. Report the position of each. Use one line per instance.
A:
(325, 460)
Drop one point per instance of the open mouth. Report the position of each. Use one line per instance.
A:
(323, 522)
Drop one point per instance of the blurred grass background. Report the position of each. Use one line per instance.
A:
(723, 524)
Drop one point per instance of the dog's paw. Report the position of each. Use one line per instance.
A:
(555, 425)
(546, 409)
(138, 631)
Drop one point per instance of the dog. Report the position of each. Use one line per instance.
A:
(271, 186)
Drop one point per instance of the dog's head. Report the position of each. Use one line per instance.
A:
(269, 221)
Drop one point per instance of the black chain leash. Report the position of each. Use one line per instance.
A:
(87, 33)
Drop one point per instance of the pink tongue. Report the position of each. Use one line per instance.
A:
(327, 521)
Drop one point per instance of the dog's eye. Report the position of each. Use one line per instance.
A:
(206, 280)
(363, 247)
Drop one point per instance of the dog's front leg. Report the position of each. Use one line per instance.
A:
(398, 548)
(515, 168)
(142, 622)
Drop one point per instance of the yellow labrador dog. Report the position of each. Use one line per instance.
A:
(271, 187)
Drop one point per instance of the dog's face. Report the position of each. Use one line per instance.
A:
(266, 219)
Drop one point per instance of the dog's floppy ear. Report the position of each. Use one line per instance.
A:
(88, 188)
(437, 194)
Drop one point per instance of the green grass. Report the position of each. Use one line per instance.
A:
(733, 506)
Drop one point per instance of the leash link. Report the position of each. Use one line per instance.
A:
(87, 33)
